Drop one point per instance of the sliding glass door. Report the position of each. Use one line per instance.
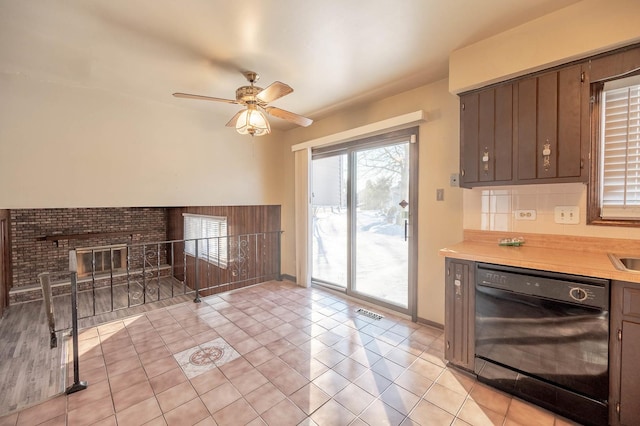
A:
(330, 220)
(363, 239)
(381, 221)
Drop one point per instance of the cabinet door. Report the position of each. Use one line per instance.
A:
(527, 131)
(624, 347)
(469, 151)
(570, 152)
(486, 136)
(549, 126)
(460, 313)
(630, 374)
(503, 137)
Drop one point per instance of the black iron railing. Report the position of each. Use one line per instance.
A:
(158, 271)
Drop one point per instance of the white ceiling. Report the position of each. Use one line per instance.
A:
(334, 53)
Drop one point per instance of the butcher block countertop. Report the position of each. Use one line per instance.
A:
(558, 253)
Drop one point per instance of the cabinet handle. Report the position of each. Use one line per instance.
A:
(546, 156)
(485, 161)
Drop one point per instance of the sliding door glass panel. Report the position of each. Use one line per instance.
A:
(381, 223)
(330, 224)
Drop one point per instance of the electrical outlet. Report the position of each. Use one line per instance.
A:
(568, 215)
(440, 194)
(525, 214)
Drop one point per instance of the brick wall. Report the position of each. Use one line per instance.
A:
(33, 254)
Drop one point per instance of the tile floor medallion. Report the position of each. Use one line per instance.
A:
(207, 356)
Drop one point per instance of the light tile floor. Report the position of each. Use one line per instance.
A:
(273, 354)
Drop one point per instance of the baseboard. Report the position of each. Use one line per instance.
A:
(288, 278)
(430, 323)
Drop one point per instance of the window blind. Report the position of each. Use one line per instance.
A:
(620, 149)
(210, 233)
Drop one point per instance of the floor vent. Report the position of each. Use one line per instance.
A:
(369, 314)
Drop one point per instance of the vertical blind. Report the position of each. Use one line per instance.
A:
(620, 149)
(210, 232)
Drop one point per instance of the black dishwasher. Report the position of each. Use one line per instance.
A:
(544, 337)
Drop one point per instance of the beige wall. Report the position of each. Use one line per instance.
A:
(70, 146)
(440, 222)
(577, 31)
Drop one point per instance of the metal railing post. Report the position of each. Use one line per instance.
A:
(73, 268)
(197, 274)
(144, 274)
(279, 257)
(173, 271)
(158, 269)
(48, 305)
(129, 249)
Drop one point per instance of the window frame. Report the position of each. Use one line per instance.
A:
(607, 67)
(623, 141)
(220, 255)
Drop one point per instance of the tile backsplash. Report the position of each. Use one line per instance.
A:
(493, 209)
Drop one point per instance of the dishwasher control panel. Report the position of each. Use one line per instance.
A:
(580, 290)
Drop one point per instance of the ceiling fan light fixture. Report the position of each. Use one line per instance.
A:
(252, 122)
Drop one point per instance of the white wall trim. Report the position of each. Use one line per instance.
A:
(390, 124)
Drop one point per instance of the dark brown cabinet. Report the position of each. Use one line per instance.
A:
(624, 348)
(532, 130)
(487, 136)
(549, 141)
(459, 313)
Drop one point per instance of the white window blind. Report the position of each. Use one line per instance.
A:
(620, 149)
(210, 232)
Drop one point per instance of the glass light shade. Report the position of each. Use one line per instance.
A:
(252, 122)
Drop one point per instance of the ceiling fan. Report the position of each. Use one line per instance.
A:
(252, 120)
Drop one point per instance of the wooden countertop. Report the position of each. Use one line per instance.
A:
(568, 254)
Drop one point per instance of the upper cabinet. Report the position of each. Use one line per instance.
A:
(530, 130)
(549, 132)
(486, 131)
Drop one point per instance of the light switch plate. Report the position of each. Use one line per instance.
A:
(568, 215)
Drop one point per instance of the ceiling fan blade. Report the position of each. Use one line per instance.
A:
(204, 98)
(274, 91)
(234, 119)
(289, 116)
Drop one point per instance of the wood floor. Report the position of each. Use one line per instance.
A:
(30, 371)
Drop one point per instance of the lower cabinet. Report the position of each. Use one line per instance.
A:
(624, 348)
(459, 313)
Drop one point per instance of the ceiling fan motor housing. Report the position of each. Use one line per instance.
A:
(247, 94)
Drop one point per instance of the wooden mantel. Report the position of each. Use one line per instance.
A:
(86, 235)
